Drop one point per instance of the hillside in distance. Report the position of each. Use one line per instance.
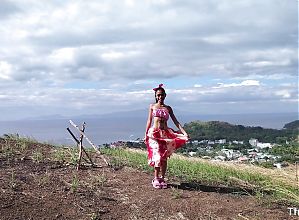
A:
(213, 130)
(294, 125)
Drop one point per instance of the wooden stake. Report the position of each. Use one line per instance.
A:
(78, 143)
(92, 144)
(80, 146)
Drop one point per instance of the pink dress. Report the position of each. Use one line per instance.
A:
(162, 143)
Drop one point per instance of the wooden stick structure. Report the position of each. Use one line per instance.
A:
(81, 147)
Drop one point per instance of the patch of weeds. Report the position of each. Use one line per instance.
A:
(14, 144)
(23, 147)
(59, 155)
(13, 183)
(43, 180)
(259, 194)
(17, 137)
(116, 163)
(74, 184)
(95, 216)
(37, 156)
(73, 156)
(176, 193)
(280, 192)
(99, 180)
(8, 151)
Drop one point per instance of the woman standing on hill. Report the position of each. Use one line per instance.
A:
(161, 141)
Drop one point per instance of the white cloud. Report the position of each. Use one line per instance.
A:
(62, 56)
(283, 93)
(250, 83)
(122, 48)
(197, 85)
(243, 83)
(5, 70)
(112, 55)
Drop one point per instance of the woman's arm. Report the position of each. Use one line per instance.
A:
(176, 122)
(149, 120)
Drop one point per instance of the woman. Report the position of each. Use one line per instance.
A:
(161, 141)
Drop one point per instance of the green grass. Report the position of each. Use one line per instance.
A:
(67, 155)
(213, 175)
(14, 145)
(20, 139)
(37, 156)
(191, 170)
(74, 184)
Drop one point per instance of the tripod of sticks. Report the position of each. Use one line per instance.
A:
(81, 147)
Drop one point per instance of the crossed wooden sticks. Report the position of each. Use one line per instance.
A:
(80, 144)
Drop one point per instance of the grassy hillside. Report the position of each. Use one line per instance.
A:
(294, 125)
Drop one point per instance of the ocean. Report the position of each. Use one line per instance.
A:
(109, 129)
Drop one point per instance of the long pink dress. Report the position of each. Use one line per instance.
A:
(162, 143)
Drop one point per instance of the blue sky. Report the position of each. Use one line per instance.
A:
(94, 57)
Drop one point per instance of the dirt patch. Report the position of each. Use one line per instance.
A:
(54, 190)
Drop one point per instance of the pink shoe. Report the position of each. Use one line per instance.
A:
(163, 184)
(156, 183)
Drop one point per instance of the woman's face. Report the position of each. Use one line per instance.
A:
(160, 96)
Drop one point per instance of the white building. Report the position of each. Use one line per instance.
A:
(253, 142)
(192, 153)
(238, 142)
(220, 141)
(263, 145)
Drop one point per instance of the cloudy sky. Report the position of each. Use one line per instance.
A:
(93, 57)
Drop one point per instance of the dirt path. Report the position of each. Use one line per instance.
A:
(50, 190)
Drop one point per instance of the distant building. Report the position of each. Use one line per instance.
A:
(231, 154)
(264, 145)
(192, 153)
(220, 141)
(253, 142)
(238, 142)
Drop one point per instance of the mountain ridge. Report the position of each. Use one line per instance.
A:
(224, 130)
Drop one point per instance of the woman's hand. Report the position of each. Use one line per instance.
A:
(187, 135)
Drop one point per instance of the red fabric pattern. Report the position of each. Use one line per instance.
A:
(162, 143)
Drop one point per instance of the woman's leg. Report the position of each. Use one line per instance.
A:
(155, 181)
(157, 172)
(163, 171)
(163, 168)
